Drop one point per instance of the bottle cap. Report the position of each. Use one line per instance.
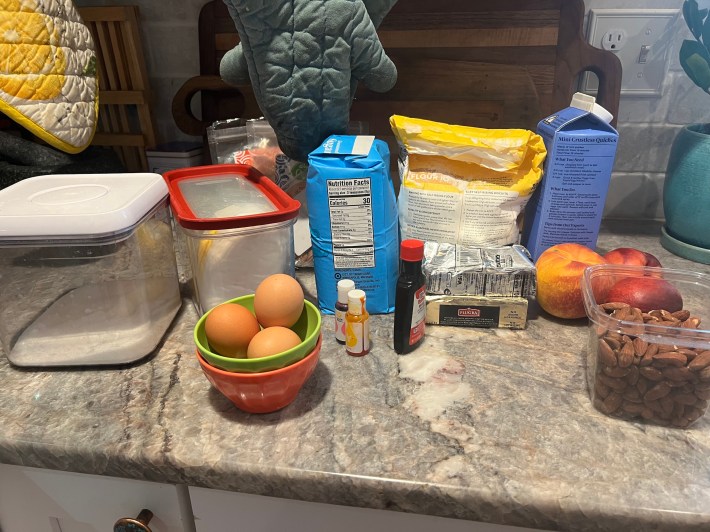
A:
(411, 250)
(356, 301)
(344, 286)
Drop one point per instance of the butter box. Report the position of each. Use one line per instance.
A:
(454, 270)
(477, 311)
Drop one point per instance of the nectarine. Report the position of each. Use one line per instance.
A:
(646, 293)
(632, 256)
(559, 276)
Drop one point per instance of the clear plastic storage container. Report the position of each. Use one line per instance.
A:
(87, 269)
(238, 228)
(648, 364)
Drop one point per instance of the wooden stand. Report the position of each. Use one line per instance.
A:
(125, 117)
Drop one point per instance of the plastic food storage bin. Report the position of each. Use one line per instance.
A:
(651, 365)
(238, 228)
(87, 269)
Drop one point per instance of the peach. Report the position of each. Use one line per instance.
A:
(632, 256)
(646, 293)
(559, 279)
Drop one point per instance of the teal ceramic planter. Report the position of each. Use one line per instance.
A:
(686, 195)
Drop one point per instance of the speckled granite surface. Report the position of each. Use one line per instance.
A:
(482, 424)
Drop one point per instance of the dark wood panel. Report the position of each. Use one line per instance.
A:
(472, 19)
(465, 38)
(488, 63)
(522, 56)
(476, 6)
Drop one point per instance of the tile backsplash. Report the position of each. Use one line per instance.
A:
(647, 125)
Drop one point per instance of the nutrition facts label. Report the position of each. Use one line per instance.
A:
(351, 225)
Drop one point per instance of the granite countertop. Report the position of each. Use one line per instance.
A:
(482, 424)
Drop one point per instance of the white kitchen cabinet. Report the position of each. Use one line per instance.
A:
(41, 500)
(224, 511)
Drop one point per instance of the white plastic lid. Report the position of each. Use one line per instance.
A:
(588, 103)
(78, 205)
(344, 286)
(356, 301)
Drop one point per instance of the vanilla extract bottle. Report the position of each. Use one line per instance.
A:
(341, 308)
(410, 298)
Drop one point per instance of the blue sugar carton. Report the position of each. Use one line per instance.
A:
(569, 202)
(352, 212)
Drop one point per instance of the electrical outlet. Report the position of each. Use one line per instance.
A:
(641, 38)
(614, 40)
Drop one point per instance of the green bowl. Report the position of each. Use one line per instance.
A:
(307, 328)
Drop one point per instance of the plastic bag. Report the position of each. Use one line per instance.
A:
(464, 185)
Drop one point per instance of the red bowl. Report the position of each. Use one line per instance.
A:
(259, 393)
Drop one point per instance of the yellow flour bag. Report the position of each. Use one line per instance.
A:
(464, 185)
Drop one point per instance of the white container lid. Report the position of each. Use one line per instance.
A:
(344, 287)
(78, 205)
(356, 301)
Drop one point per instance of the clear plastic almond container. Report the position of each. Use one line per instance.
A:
(88, 274)
(236, 226)
(648, 364)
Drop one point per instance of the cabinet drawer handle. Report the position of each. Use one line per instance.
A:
(137, 524)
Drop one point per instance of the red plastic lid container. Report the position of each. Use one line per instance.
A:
(227, 196)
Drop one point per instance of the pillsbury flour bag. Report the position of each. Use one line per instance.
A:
(352, 211)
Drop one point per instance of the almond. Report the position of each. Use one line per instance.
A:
(685, 398)
(606, 354)
(640, 346)
(678, 374)
(612, 402)
(659, 390)
(626, 355)
(681, 315)
(615, 384)
(650, 373)
(700, 362)
(615, 305)
(670, 358)
(616, 372)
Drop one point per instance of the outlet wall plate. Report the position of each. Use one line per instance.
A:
(642, 39)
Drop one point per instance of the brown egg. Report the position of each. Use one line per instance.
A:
(271, 341)
(229, 328)
(278, 301)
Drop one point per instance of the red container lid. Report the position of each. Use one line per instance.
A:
(227, 196)
(411, 250)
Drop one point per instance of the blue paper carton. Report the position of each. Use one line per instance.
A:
(569, 203)
(352, 212)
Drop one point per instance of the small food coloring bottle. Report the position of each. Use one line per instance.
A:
(341, 308)
(410, 298)
(357, 325)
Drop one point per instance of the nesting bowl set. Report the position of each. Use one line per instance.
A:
(266, 384)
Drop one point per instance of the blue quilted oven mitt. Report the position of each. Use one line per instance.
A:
(304, 59)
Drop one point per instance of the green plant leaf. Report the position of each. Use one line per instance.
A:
(694, 17)
(695, 60)
(706, 33)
